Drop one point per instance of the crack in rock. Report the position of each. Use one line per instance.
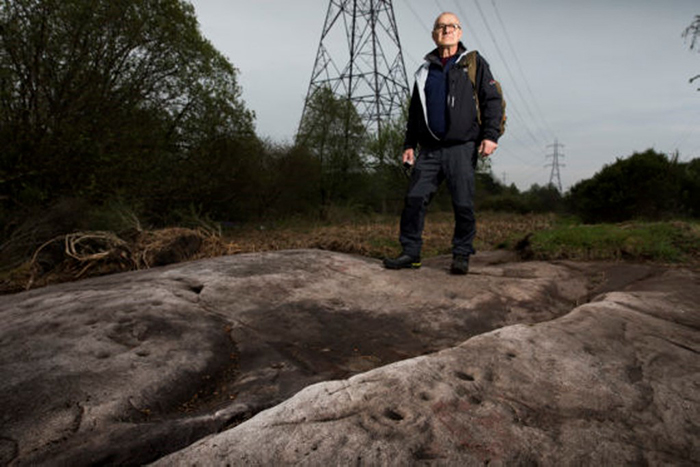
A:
(386, 366)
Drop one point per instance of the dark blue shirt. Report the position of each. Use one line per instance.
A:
(436, 91)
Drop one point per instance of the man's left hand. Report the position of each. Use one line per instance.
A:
(487, 147)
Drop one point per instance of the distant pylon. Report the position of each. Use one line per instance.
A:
(365, 66)
(555, 175)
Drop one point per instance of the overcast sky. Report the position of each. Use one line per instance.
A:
(605, 78)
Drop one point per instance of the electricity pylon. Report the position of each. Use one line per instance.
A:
(359, 58)
(555, 175)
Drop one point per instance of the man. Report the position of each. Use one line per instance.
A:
(442, 122)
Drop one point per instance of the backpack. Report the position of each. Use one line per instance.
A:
(469, 63)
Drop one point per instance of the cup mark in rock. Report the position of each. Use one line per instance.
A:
(464, 376)
(393, 415)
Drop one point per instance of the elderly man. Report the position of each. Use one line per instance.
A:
(443, 125)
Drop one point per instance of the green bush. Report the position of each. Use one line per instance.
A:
(647, 185)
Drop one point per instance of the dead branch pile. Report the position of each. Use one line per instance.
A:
(85, 254)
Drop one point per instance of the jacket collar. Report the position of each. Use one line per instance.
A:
(433, 57)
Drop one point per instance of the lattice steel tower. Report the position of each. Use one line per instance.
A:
(359, 58)
(555, 176)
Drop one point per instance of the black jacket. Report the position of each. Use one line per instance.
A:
(462, 125)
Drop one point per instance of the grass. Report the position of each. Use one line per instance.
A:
(547, 238)
(377, 236)
(542, 237)
(663, 242)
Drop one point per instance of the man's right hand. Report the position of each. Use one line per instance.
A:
(408, 157)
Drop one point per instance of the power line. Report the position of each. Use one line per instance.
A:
(525, 174)
(507, 153)
(513, 110)
(520, 68)
(505, 63)
(515, 136)
(514, 113)
(531, 141)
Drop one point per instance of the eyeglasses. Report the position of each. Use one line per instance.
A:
(444, 27)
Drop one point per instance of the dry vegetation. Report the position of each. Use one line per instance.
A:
(85, 254)
(378, 237)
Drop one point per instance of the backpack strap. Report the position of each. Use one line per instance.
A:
(469, 64)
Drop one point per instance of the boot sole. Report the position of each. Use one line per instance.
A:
(407, 266)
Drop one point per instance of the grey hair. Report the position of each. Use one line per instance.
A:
(443, 14)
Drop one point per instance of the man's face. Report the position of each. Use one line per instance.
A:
(447, 31)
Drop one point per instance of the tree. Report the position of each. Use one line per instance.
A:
(692, 33)
(691, 188)
(543, 198)
(103, 98)
(288, 182)
(333, 131)
(646, 185)
(388, 178)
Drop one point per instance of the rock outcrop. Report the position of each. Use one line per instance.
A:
(315, 357)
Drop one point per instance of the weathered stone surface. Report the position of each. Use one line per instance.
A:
(124, 369)
(615, 382)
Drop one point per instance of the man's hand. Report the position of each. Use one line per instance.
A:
(487, 147)
(408, 157)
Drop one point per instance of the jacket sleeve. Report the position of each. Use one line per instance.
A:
(415, 113)
(489, 101)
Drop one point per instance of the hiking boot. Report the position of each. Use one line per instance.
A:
(460, 265)
(404, 261)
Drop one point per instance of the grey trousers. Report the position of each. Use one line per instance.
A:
(455, 164)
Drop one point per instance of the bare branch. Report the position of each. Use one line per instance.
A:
(692, 33)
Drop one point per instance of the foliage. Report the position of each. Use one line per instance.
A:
(115, 99)
(333, 132)
(493, 195)
(548, 237)
(290, 182)
(647, 185)
(541, 199)
(118, 115)
(388, 178)
(690, 187)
